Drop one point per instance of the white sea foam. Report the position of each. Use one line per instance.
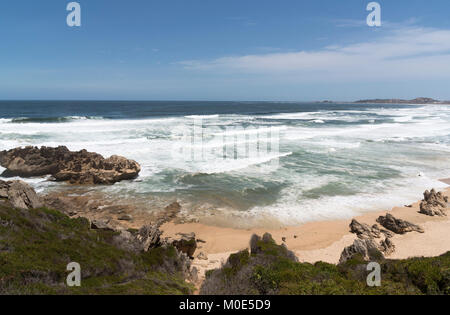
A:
(292, 210)
(375, 155)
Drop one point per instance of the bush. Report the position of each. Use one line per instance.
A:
(37, 245)
(271, 269)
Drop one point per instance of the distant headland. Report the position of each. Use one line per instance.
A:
(419, 100)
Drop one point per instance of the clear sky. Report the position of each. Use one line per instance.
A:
(224, 50)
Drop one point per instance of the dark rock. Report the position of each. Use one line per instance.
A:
(257, 248)
(185, 243)
(255, 243)
(367, 248)
(398, 226)
(434, 204)
(81, 167)
(363, 230)
(149, 236)
(254, 246)
(267, 238)
(376, 230)
(387, 247)
(101, 225)
(19, 194)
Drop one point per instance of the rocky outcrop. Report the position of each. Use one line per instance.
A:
(102, 225)
(398, 226)
(434, 204)
(149, 236)
(81, 167)
(366, 245)
(185, 243)
(259, 246)
(387, 247)
(365, 231)
(367, 248)
(19, 194)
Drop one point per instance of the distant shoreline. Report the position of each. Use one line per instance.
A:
(416, 101)
(394, 101)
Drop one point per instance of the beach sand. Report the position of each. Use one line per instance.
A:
(319, 241)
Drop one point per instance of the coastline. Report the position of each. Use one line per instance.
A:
(318, 241)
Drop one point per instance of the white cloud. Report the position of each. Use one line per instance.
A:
(408, 52)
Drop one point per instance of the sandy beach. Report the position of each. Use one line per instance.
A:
(319, 241)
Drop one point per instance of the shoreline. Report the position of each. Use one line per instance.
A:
(318, 241)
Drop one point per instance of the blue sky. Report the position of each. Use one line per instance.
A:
(224, 50)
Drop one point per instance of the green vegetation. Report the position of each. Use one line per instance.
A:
(272, 270)
(37, 245)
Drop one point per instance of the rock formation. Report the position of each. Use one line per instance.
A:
(101, 225)
(149, 236)
(259, 245)
(185, 243)
(398, 226)
(366, 245)
(367, 248)
(434, 204)
(81, 167)
(365, 231)
(19, 194)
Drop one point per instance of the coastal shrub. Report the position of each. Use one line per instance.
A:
(271, 269)
(37, 245)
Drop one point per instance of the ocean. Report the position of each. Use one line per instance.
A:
(331, 160)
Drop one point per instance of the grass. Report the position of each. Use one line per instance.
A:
(37, 245)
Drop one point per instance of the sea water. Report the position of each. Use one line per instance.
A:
(333, 160)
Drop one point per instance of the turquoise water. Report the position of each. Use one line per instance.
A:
(334, 160)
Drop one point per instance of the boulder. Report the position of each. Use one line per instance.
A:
(434, 204)
(185, 243)
(366, 245)
(398, 226)
(387, 247)
(101, 225)
(19, 194)
(363, 230)
(80, 167)
(367, 248)
(149, 236)
(254, 244)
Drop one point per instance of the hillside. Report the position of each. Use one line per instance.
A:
(36, 246)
